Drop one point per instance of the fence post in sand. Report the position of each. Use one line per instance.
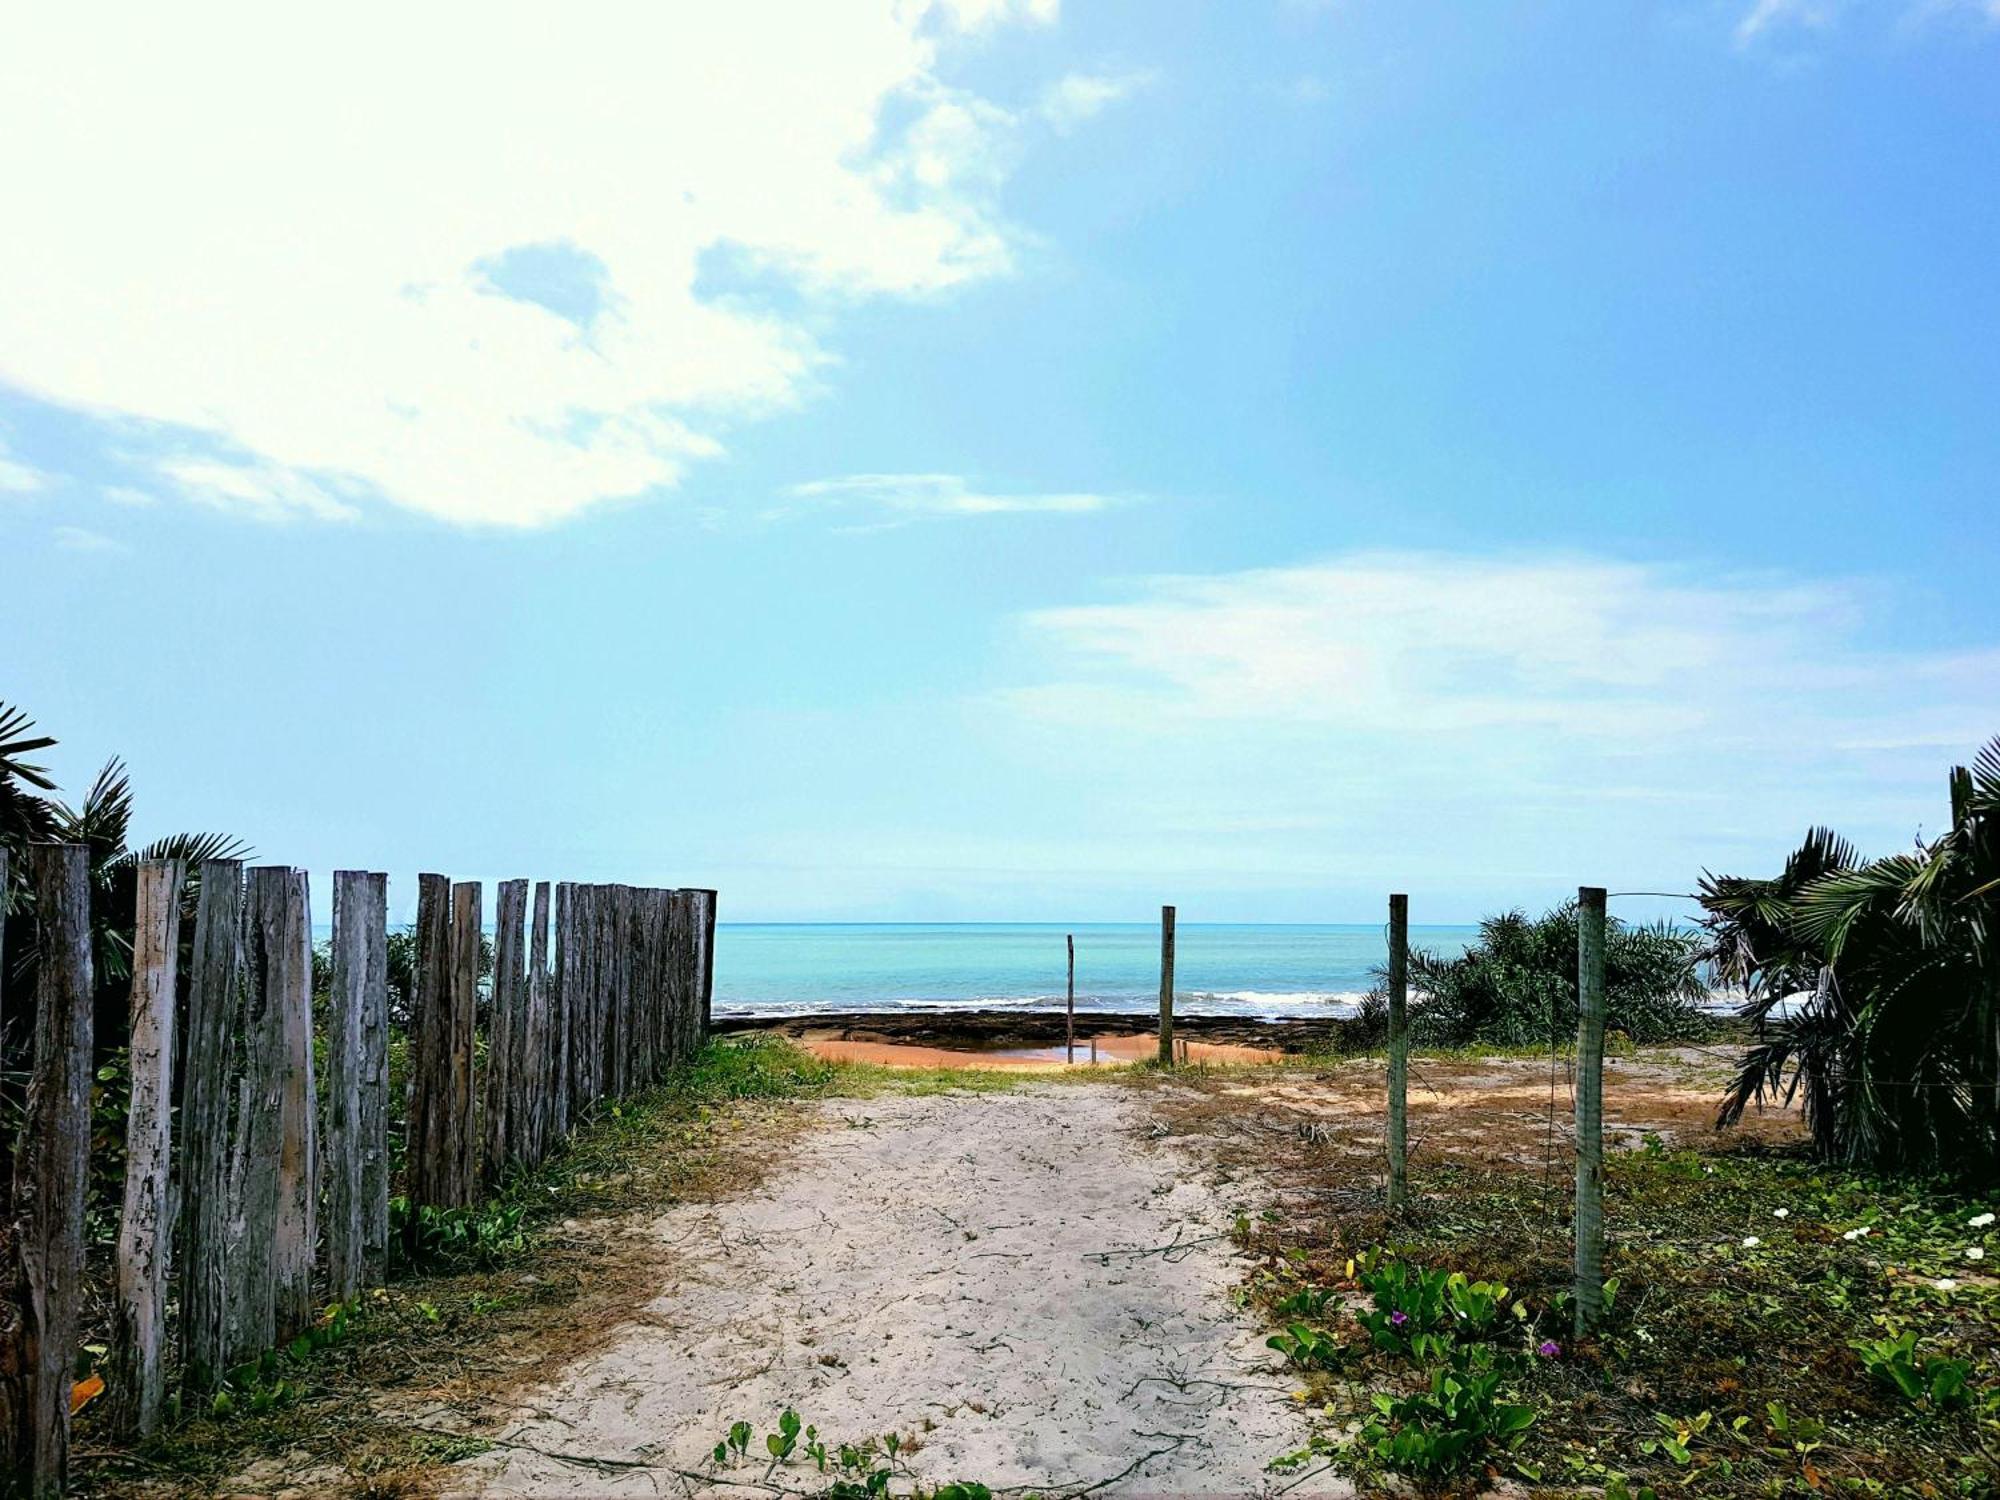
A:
(463, 1143)
(1589, 1108)
(1070, 1032)
(215, 1065)
(281, 972)
(146, 1228)
(1399, 1052)
(42, 1280)
(558, 1084)
(530, 1071)
(1093, 1052)
(357, 1141)
(506, 1016)
(1166, 986)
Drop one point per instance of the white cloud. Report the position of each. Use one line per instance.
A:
(1364, 688)
(908, 496)
(1077, 97)
(288, 228)
(81, 539)
(1764, 15)
(16, 478)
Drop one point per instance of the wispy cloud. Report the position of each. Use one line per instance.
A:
(16, 478)
(905, 497)
(82, 539)
(822, 148)
(1364, 689)
(1764, 15)
(1078, 97)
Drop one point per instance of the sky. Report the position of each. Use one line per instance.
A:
(1009, 460)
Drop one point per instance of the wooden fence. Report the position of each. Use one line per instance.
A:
(597, 994)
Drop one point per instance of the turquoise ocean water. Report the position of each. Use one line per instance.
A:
(1220, 969)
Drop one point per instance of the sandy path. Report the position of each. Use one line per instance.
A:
(938, 1266)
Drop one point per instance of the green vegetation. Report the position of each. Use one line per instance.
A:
(1777, 1327)
(1516, 986)
(843, 1471)
(1895, 1052)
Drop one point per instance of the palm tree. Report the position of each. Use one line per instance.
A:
(1894, 1047)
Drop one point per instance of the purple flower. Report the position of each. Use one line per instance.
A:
(1548, 1348)
(1399, 1318)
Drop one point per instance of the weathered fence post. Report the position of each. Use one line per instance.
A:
(562, 1019)
(51, 1163)
(461, 1040)
(1589, 1108)
(1399, 1052)
(683, 987)
(357, 1147)
(506, 1017)
(428, 1141)
(1166, 986)
(531, 1066)
(214, 1053)
(146, 1226)
(279, 1170)
(705, 960)
(1069, 1030)
(625, 992)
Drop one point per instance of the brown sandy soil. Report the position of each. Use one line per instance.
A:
(1106, 1050)
(994, 1030)
(1033, 1284)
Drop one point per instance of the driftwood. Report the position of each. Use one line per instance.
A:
(38, 1324)
(136, 1387)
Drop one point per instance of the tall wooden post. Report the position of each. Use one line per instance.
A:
(507, 1014)
(1166, 986)
(1069, 1042)
(531, 1067)
(428, 1144)
(562, 1020)
(1399, 1052)
(281, 975)
(705, 960)
(146, 1227)
(357, 1146)
(461, 1040)
(1589, 1108)
(51, 1163)
(216, 1052)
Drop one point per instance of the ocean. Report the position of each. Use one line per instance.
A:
(1247, 970)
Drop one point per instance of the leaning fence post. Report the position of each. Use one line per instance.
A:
(146, 1226)
(51, 1162)
(1589, 1108)
(1399, 1052)
(1166, 986)
(1069, 1043)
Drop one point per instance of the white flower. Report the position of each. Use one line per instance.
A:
(1946, 1284)
(1974, 1252)
(1855, 1234)
(1980, 1221)
(1751, 1242)
(1781, 1213)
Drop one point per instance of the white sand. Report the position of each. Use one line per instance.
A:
(940, 1260)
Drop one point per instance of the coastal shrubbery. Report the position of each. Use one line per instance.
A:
(1874, 986)
(1516, 986)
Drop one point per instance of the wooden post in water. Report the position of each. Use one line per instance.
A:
(461, 1041)
(1589, 1294)
(1069, 941)
(214, 1053)
(1399, 1053)
(146, 1227)
(1166, 986)
(506, 1015)
(51, 1164)
(531, 1058)
(357, 1146)
(428, 1143)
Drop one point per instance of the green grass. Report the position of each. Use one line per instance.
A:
(1726, 1367)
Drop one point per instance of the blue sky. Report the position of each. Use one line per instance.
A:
(1006, 460)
